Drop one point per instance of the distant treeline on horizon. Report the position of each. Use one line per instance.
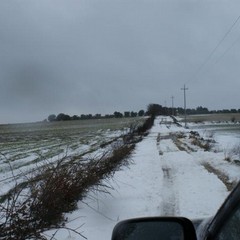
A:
(66, 117)
(152, 109)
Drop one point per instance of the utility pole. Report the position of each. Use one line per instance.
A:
(185, 114)
(172, 105)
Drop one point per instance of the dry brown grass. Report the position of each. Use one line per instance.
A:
(53, 191)
(222, 176)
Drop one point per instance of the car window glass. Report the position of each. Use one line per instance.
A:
(231, 229)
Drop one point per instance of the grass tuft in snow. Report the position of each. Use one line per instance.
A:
(233, 154)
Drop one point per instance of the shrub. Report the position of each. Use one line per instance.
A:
(146, 126)
(233, 154)
(53, 191)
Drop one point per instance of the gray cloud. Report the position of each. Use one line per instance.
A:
(89, 56)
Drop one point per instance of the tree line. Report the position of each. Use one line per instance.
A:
(152, 110)
(116, 114)
(156, 109)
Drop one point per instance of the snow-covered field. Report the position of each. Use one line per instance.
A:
(168, 175)
(25, 148)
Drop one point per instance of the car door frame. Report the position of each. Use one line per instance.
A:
(229, 206)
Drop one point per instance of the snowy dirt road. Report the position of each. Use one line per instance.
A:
(162, 179)
(188, 188)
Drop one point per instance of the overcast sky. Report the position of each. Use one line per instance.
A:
(98, 56)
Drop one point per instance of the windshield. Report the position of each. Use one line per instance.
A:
(116, 109)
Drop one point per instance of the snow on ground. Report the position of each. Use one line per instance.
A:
(161, 180)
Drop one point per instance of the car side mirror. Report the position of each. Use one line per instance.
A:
(154, 228)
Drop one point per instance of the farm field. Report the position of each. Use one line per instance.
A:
(217, 117)
(24, 148)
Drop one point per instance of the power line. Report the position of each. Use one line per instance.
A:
(214, 50)
(224, 53)
(228, 49)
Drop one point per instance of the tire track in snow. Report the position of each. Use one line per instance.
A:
(169, 202)
(221, 175)
(169, 199)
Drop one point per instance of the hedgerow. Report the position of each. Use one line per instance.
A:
(40, 203)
